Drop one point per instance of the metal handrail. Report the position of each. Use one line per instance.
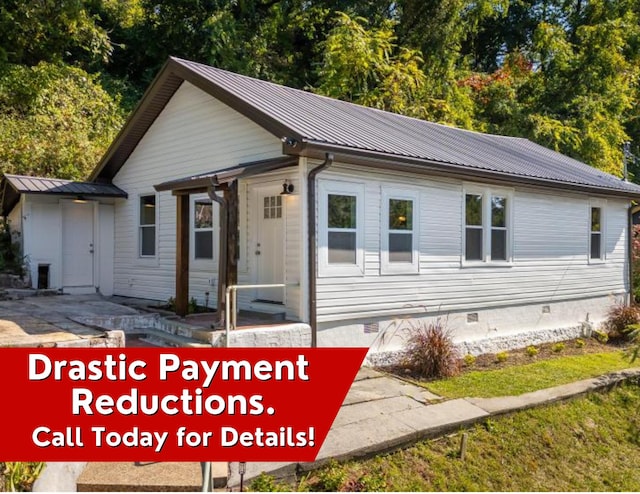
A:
(231, 300)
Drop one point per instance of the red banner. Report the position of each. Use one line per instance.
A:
(151, 404)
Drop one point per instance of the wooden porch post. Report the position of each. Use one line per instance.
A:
(182, 255)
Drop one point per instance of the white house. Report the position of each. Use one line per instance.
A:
(385, 218)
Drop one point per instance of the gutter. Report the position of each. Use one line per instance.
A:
(313, 246)
(377, 159)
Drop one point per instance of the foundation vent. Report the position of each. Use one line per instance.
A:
(472, 317)
(371, 327)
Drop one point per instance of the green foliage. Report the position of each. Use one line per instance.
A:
(366, 66)
(469, 360)
(502, 357)
(330, 478)
(532, 351)
(267, 483)
(564, 74)
(557, 347)
(53, 31)
(19, 476)
(10, 258)
(430, 351)
(55, 121)
(580, 343)
(601, 336)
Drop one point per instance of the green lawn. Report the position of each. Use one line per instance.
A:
(587, 444)
(520, 379)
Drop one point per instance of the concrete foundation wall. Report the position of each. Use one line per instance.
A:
(476, 332)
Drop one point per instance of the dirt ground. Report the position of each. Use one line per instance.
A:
(545, 352)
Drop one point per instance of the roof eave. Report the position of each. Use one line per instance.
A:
(374, 159)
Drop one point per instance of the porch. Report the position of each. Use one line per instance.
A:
(256, 265)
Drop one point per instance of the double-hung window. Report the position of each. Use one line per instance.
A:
(341, 221)
(147, 226)
(399, 253)
(596, 231)
(203, 229)
(487, 225)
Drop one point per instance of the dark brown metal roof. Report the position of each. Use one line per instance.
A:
(11, 186)
(315, 124)
(204, 180)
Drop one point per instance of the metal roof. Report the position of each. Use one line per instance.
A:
(11, 186)
(314, 122)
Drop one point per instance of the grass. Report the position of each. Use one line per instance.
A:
(520, 379)
(587, 444)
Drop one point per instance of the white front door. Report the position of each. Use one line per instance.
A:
(77, 244)
(269, 243)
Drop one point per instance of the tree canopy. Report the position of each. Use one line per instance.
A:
(563, 73)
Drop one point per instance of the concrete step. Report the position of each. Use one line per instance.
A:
(147, 477)
(163, 338)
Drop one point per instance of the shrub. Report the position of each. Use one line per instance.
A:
(620, 317)
(502, 357)
(430, 351)
(532, 351)
(331, 478)
(557, 347)
(601, 336)
(580, 343)
(469, 360)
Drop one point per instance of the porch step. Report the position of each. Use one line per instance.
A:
(164, 338)
(147, 477)
(274, 314)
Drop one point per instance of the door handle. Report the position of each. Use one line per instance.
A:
(257, 253)
(90, 248)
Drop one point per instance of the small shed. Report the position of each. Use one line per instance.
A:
(65, 231)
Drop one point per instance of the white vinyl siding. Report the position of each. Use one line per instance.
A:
(194, 133)
(549, 240)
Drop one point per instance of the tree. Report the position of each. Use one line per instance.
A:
(32, 31)
(55, 120)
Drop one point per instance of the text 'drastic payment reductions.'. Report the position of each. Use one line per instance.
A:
(151, 404)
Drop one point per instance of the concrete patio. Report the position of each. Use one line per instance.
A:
(41, 321)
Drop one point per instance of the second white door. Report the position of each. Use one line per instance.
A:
(269, 243)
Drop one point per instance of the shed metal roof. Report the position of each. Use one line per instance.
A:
(11, 186)
(316, 123)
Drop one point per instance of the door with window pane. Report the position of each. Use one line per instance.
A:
(269, 243)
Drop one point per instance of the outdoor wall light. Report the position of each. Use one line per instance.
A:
(287, 188)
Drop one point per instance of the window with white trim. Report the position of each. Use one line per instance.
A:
(202, 229)
(147, 226)
(596, 234)
(341, 221)
(487, 225)
(399, 253)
